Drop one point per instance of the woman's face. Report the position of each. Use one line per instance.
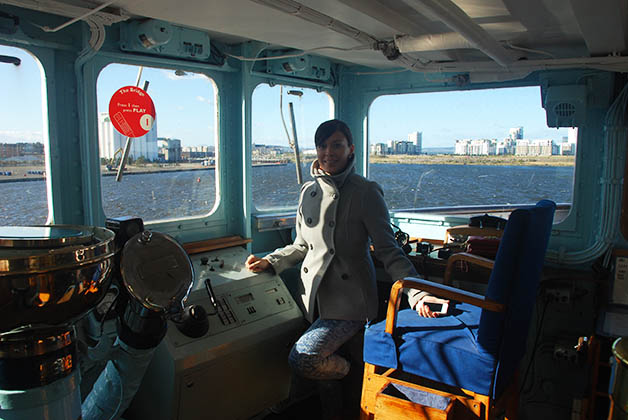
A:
(333, 153)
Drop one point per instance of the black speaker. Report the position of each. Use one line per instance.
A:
(124, 228)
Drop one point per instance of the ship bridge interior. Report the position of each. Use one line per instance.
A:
(355, 51)
(355, 54)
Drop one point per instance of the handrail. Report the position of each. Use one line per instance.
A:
(480, 208)
(287, 219)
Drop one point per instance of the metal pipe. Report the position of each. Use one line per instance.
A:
(435, 42)
(454, 17)
(299, 10)
(296, 9)
(127, 145)
(76, 19)
(616, 64)
(297, 156)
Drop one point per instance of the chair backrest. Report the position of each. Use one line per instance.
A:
(514, 282)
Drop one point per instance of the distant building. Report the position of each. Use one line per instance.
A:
(535, 148)
(110, 141)
(416, 138)
(169, 149)
(567, 149)
(197, 152)
(475, 147)
(521, 147)
(8, 150)
(505, 147)
(398, 147)
(401, 147)
(515, 144)
(461, 147)
(266, 152)
(516, 133)
(482, 147)
(379, 149)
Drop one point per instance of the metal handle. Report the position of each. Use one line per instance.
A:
(210, 293)
(295, 146)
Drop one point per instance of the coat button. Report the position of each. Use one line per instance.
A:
(311, 246)
(331, 224)
(309, 220)
(313, 193)
(331, 251)
(305, 269)
(344, 276)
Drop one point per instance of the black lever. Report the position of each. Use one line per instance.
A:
(210, 293)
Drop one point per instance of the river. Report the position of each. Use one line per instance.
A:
(188, 193)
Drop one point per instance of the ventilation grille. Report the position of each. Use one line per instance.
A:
(565, 105)
(564, 109)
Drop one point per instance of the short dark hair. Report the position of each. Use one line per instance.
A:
(326, 129)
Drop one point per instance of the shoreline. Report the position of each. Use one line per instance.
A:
(449, 159)
(501, 160)
(20, 173)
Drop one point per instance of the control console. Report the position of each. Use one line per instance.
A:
(235, 364)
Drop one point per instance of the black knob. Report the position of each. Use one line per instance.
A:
(204, 260)
(194, 322)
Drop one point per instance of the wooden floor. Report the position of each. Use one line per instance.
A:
(309, 409)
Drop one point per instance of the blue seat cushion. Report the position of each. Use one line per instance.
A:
(442, 349)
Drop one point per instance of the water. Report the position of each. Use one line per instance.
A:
(192, 193)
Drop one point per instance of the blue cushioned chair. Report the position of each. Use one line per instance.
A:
(471, 355)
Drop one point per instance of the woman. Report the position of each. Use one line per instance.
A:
(340, 215)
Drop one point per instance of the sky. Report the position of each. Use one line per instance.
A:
(186, 109)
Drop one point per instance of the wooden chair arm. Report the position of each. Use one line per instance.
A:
(470, 258)
(441, 290)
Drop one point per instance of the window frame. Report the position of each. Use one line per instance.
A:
(184, 228)
(568, 223)
(272, 218)
(44, 59)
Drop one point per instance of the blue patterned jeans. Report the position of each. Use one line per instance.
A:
(313, 355)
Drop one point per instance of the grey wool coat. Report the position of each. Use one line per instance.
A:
(335, 219)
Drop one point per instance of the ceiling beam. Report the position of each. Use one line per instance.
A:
(384, 14)
(454, 17)
(603, 25)
(301, 11)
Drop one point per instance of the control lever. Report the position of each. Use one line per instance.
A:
(212, 296)
(193, 322)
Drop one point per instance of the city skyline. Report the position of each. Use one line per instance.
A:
(441, 117)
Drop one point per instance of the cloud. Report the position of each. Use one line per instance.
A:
(201, 98)
(17, 136)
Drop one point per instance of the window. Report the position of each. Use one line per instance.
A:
(465, 148)
(171, 171)
(22, 136)
(274, 180)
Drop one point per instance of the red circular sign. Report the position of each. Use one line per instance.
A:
(131, 111)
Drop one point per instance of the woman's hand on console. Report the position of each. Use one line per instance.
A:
(256, 265)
